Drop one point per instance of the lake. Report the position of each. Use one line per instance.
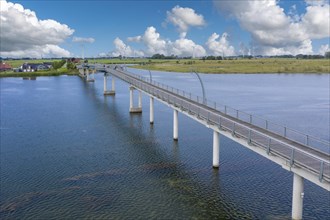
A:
(68, 152)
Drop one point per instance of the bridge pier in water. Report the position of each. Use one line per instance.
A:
(175, 125)
(297, 197)
(88, 78)
(133, 109)
(151, 110)
(112, 91)
(216, 149)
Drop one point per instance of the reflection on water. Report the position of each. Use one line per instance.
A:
(69, 152)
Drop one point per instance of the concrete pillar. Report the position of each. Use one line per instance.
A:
(87, 75)
(151, 110)
(106, 91)
(105, 84)
(113, 85)
(133, 109)
(216, 147)
(140, 100)
(175, 125)
(130, 98)
(297, 196)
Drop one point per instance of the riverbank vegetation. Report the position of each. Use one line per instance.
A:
(59, 67)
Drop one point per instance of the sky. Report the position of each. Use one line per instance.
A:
(136, 28)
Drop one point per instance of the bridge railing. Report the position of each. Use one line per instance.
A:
(292, 155)
(291, 134)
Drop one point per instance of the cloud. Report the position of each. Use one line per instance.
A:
(48, 50)
(273, 31)
(323, 49)
(316, 21)
(220, 47)
(134, 39)
(24, 35)
(154, 44)
(183, 18)
(83, 40)
(121, 49)
(185, 48)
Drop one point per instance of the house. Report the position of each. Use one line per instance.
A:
(48, 64)
(33, 67)
(73, 60)
(5, 67)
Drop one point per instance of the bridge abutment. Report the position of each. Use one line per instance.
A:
(133, 109)
(297, 197)
(216, 149)
(109, 92)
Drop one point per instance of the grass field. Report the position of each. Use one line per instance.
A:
(262, 65)
(242, 66)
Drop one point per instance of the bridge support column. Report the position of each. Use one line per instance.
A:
(140, 100)
(175, 125)
(297, 196)
(151, 110)
(133, 109)
(112, 91)
(88, 78)
(216, 148)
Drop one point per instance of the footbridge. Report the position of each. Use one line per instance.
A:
(307, 157)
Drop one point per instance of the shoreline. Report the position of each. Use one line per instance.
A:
(36, 74)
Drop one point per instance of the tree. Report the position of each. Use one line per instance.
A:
(327, 55)
(70, 66)
(58, 64)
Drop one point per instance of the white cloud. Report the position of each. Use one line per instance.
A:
(220, 47)
(323, 49)
(23, 34)
(134, 39)
(83, 40)
(185, 48)
(48, 50)
(155, 44)
(316, 21)
(274, 32)
(121, 49)
(184, 18)
(317, 2)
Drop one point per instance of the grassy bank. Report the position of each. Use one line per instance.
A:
(17, 63)
(241, 66)
(62, 71)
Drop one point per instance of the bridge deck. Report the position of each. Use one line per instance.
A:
(293, 153)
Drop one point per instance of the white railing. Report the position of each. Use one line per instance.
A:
(242, 125)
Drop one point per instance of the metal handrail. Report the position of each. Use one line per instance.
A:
(266, 124)
(165, 93)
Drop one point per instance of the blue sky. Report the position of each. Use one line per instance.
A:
(106, 20)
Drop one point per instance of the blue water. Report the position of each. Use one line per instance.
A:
(68, 152)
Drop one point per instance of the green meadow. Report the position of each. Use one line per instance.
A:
(261, 65)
